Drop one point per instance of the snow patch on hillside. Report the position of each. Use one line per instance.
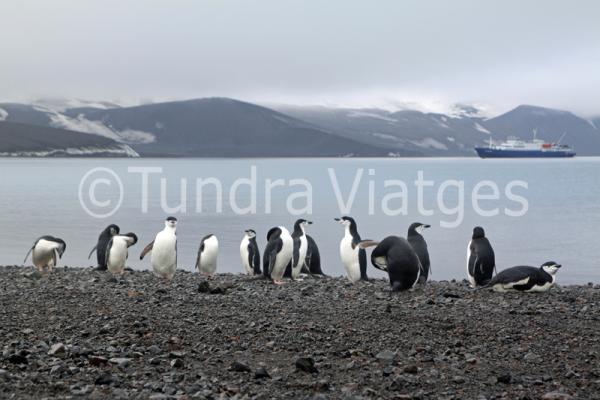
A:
(81, 124)
(3, 115)
(121, 150)
(429, 143)
(365, 114)
(481, 128)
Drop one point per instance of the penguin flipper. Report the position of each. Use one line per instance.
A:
(199, 256)
(365, 244)
(29, 252)
(147, 250)
(93, 250)
(362, 260)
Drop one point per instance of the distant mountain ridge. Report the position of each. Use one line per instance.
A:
(223, 127)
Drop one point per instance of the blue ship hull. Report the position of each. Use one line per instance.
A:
(486, 152)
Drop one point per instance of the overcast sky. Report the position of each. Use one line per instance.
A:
(357, 53)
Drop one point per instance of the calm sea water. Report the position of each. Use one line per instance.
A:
(42, 196)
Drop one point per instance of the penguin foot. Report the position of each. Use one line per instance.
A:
(279, 282)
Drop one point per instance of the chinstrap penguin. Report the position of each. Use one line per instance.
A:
(277, 254)
(164, 250)
(481, 261)
(353, 256)
(300, 249)
(397, 257)
(46, 251)
(117, 252)
(418, 243)
(250, 253)
(525, 278)
(206, 261)
(100, 247)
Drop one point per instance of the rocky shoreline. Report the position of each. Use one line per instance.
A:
(78, 333)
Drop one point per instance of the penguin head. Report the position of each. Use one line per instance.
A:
(132, 238)
(62, 246)
(113, 229)
(301, 223)
(346, 221)
(418, 227)
(478, 232)
(250, 233)
(551, 267)
(171, 222)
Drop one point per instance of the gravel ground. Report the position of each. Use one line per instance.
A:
(80, 333)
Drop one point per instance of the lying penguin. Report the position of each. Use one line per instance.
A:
(526, 279)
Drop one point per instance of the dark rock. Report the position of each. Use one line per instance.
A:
(237, 366)
(261, 373)
(177, 363)
(97, 360)
(17, 359)
(104, 379)
(504, 378)
(306, 364)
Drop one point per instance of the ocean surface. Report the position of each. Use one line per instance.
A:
(532, 210)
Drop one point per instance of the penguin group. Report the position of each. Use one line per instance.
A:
(294, 255)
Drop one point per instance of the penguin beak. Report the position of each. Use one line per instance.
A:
(426, 226)
(309, 222)
(337, 219)
(557, 266)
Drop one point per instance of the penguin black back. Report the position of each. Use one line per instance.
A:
(481, 260)
(102, 245)
(313, 257)
(274, 245)
(397, 257)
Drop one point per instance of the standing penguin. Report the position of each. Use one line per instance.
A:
(353, 256)
(418, 243)
(526, 279)
(300, 249)
(278, 253)
(313, 258)
(397, 257)
(206, 262)
(46, 252)
(100, 247)
(249, 253)
(164, 250)
(481, 261)
(117, 252)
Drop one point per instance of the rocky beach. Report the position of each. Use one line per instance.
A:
(78, 333)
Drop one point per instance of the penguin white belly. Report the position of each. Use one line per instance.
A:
(283, 257)
(164, 255)
(505, 287)
(208, 258)
(471, 278)
(350, 259)
(244, 254)
(544, 287)
(44, 254)
(301, 258)
(117, 256)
